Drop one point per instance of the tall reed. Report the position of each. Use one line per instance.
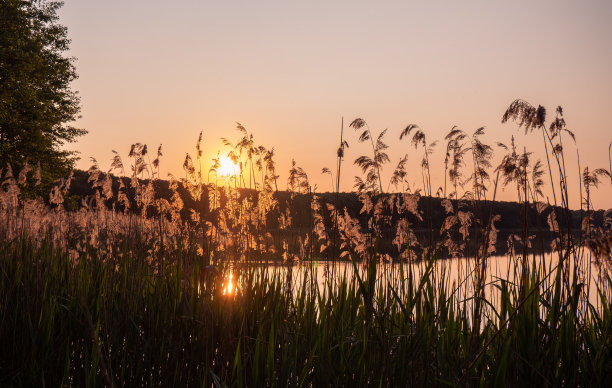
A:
(153, 282)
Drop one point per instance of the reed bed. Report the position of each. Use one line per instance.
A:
(132, 287)
(100, 322)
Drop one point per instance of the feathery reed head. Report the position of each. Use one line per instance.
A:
(525, 114)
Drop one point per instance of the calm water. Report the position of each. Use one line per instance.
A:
(457, 274)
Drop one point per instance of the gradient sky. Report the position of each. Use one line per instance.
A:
(160, 72)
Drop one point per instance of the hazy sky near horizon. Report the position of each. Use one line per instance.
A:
(161, 72)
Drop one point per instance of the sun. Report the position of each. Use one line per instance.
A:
(227, 167)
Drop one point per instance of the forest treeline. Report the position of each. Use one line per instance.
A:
(299, 206)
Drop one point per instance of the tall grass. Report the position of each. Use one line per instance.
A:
(132, 287)
(96, 320)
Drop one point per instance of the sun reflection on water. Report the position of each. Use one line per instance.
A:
(229, 288)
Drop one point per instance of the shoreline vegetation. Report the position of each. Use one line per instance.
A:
(302, 221)
(133, 280)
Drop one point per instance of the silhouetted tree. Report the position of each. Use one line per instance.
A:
(37, 103)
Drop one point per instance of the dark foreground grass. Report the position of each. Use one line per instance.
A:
(96, 321)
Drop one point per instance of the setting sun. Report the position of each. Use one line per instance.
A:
(227, 167)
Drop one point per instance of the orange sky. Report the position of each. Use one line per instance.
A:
(160, 72)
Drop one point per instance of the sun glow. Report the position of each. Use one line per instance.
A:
(229, 288)
(227, 167)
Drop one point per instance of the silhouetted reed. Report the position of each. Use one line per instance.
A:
(154, 282)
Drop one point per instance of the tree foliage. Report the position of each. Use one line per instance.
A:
(37, 104)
